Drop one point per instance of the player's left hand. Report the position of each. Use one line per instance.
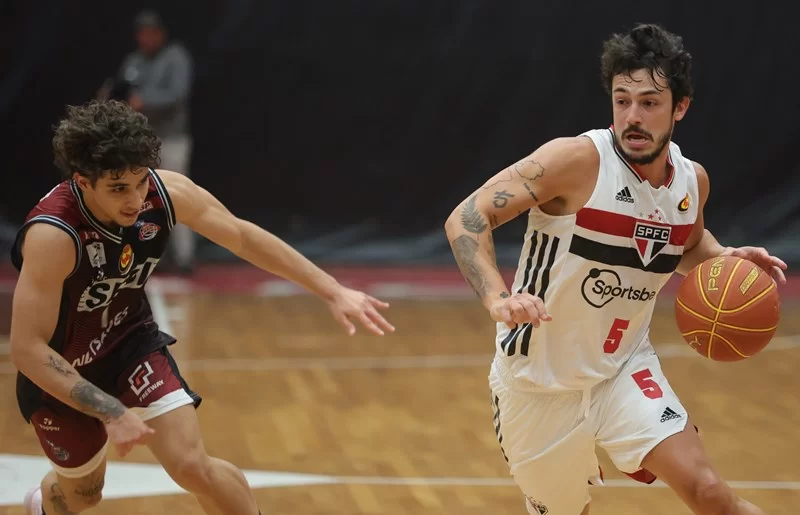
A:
(761, 257)
(347, 305)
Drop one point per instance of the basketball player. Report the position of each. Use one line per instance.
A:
(613, 213)
(93, 365)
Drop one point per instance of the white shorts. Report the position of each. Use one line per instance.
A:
(549, 438)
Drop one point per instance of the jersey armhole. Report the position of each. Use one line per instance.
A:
(16, 249)
(162, 192)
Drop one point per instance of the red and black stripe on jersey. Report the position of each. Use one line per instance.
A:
(616, 224)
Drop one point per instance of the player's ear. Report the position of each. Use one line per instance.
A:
(83, 182)
(680, 108)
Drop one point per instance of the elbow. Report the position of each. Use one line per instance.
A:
(451, 225)
(19, 355)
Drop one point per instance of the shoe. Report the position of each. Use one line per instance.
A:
(33, 501)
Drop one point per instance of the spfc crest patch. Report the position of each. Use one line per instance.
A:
(650, 240)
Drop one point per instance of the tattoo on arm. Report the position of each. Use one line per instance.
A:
(533, 171)
(501, 198)
(95, 402)
(471, 219)
(505, 295)
(465, 250)
(59, 500)
(93, 490)
(531, 193)
(504, 176)
(59, 365)
(492, 253)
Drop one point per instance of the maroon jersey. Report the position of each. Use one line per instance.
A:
(105, 320)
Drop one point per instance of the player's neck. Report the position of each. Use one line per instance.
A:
(658, 172)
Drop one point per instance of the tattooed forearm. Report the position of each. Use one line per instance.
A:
(93, 491)
(492, 254)
(465, 250)
(59, 365)
(59, 500)
(471, 219)
(95, 402)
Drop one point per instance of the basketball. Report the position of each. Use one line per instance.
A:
(727, 308)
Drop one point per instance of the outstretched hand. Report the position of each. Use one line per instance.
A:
(349, 305)
(762, 258)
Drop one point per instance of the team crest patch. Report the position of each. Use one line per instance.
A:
(126, 259)
(650, 240)
(684, 204)
(148, 231)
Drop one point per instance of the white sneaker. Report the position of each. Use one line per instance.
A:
(33, 501)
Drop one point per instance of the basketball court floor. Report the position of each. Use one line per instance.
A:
(329, 424)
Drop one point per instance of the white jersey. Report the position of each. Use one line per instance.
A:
(598, 272)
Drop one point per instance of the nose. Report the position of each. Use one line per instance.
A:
(135, 201)
(634, 115)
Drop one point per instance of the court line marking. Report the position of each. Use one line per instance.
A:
(492, 481)
(161, 315)
(131, 480)
(398, 362)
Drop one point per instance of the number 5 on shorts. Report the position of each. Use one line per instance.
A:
(646, 383)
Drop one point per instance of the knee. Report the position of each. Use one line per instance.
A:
(711, 495)
(192, 472)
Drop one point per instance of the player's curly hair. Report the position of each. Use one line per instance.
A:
(651, 47)
(100, 138)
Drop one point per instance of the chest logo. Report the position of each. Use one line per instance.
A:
(650, 240)
(683, 206)
(125, 259)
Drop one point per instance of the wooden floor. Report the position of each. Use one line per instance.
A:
(285, 390)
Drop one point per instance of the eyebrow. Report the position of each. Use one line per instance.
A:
(652, 91)
(120, 183)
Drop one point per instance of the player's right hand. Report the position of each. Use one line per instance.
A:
(126, 431)
(518, 309)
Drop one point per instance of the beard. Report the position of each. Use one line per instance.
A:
(646, 159)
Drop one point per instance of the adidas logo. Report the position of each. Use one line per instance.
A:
(669, 415)
(624, 195)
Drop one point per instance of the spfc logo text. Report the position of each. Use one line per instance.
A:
(650, 240)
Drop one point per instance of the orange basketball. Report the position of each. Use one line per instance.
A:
(727, 308)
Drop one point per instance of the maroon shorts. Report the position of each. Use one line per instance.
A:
(76, 443)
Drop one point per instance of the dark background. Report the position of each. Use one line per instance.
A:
(352, 128)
